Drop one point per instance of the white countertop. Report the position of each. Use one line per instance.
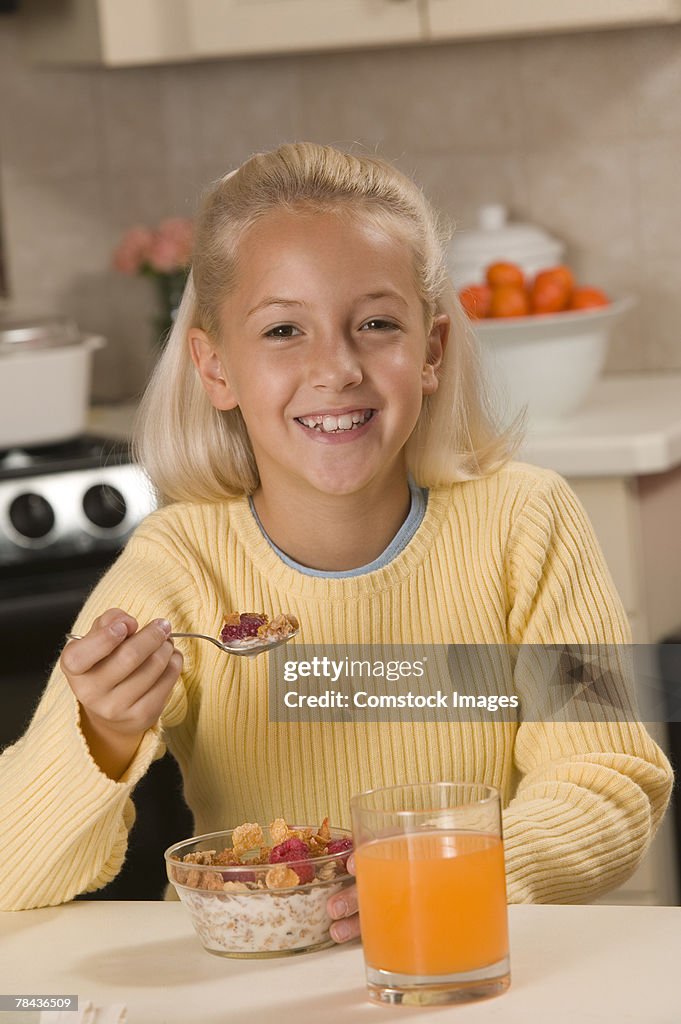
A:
(606, 965)
(630, 426)
(112, 420)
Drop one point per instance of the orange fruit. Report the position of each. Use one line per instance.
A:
(475, 299)
(552, 290)
(588, 298)
(561, 274)
(548, 295)
(504, 273)
(509, 300)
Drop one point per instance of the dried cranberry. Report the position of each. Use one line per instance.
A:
(251, 623)
(238, 876)
(340, 846)
(248, 625)
(304, 870)
(295, 853)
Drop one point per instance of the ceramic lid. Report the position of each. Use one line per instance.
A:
(37, 333)
(497, 238)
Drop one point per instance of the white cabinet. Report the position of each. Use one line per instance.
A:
(636, 520)
(119, 33)
(272, 26)
(459, 19)
(112, 33)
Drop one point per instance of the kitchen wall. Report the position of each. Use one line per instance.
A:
(577, 132)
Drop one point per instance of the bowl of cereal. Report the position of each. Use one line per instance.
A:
(261, 892)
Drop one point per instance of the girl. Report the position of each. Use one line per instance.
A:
(319, 442)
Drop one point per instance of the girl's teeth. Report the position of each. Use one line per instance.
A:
(330, 424)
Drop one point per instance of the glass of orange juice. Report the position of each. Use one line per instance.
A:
(429, 860)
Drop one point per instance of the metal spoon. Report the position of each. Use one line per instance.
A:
(242, 650)
(246, 649)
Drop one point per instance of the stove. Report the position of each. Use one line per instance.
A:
(66, 511)
(70, 500)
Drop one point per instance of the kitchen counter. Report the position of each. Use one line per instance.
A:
(622, 455)
(629, 426)
(112, 420)
(604, 964)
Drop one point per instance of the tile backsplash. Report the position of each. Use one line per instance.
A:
(580, 133)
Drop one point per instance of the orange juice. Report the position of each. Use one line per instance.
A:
(432, 902)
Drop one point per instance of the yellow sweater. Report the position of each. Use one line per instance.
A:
(507, 559)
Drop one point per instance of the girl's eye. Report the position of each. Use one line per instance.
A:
(377, 324)
(282, 331)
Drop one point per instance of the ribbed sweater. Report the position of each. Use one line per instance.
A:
(506, 559)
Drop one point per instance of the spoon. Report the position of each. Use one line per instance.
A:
(248, 649)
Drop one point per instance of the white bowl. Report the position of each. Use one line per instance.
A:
(548, 364)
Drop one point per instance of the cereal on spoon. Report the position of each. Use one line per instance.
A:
(247, 628)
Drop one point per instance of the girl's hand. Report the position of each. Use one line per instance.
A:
(343, 907)
(122, 677)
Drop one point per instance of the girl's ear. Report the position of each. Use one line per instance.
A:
(437, 343)
(208, 363)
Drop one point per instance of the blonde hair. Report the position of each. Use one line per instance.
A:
(195, 452)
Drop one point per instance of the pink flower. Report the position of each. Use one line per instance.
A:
(179, 228)
(164, 250)
(172, 245)
(133, 250)
(163, 255)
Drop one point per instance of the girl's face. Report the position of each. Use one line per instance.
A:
(325, 351)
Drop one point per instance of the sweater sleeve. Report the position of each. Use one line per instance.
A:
(63, 823)
(592, 790)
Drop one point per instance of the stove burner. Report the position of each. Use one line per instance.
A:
(69, 501)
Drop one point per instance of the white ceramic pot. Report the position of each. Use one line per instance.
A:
(548, 365)
(495, 238)
(45, 369)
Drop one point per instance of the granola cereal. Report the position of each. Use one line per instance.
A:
(247, 628)
(279, 831)
(261, 896)
(270, 923)
(281, 877)
(279, 628)
(246, 837)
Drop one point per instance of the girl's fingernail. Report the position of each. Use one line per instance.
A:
(341, 931)
(340, 908)
(118, 629)
(164, 626)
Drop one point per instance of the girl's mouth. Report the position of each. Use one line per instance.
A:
(328, 424)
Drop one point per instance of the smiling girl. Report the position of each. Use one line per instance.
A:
(319, 440)
(329, 357)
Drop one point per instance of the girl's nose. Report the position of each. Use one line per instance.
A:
(335, 363)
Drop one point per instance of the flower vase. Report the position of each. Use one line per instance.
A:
(170, 288)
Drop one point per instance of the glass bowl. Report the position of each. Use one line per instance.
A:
(236, 913)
